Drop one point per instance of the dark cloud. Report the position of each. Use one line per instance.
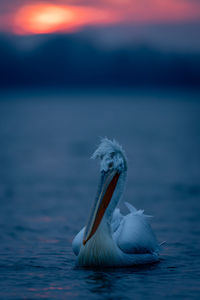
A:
(76, 61)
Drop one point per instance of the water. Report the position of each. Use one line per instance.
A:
(48, 182)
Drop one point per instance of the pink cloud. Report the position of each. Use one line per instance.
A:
(122, 11)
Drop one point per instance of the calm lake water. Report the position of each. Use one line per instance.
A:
(48, 183)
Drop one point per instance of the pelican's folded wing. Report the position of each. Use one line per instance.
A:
(134, 235)
(77, 241)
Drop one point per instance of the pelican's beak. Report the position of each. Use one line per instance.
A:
(106, 189)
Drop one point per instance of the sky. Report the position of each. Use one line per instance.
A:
(30, 17)
(103, 43)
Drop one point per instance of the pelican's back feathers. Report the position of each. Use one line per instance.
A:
(134, 234)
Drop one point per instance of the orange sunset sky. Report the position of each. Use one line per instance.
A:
(35, 17)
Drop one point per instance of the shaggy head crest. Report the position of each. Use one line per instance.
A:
(111, 154)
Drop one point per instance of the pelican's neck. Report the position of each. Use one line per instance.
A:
(115, 199)
(104, 227)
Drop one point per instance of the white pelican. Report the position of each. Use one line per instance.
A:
(111, 239)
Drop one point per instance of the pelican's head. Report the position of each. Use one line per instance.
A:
(113, 167)
(111, 155)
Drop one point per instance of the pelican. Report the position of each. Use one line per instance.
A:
(111, 239)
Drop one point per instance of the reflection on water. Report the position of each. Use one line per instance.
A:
(109, 281)
(47, 185)
(101, 283)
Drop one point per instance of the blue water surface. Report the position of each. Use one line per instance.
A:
(48, 183)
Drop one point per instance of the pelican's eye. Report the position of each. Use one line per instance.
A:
(110, 165)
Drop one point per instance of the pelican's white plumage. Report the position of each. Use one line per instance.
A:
(111, 239)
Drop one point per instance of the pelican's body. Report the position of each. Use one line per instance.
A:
(111, 239)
